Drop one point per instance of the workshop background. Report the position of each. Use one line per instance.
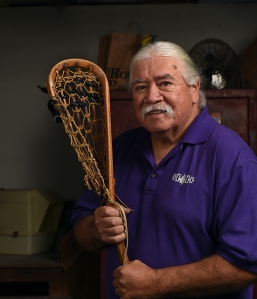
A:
(35, 152)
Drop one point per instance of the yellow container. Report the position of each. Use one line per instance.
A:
(28, 220)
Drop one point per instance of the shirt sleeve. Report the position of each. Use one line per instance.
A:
(86, 205)
(236, 217)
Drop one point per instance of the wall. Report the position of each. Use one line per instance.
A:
(34, 151)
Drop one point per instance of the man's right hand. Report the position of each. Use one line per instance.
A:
(109, 225)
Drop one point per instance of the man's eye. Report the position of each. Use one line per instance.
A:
(139, 88)
(165, 83)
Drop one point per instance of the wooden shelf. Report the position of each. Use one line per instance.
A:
(127, 95)
(47, 260)
(70, 272)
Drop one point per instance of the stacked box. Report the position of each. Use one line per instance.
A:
(28, 221)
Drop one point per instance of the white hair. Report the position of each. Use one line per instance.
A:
(191, 73)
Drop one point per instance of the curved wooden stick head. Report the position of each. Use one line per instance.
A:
(80, 91)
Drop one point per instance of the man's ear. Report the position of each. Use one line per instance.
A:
(195, 88)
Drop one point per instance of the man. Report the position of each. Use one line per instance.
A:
(191, 184)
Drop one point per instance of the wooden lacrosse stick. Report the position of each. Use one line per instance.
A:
(79, 91)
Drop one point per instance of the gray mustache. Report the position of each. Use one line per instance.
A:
(157, 107)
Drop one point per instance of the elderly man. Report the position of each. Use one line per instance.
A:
(191, 184)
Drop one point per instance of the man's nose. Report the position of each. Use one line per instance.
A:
(153, 94)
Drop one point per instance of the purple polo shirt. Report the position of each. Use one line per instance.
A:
(201, 199)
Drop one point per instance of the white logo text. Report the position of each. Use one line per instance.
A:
(183, 179)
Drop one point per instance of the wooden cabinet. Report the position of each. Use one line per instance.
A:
(237, 109)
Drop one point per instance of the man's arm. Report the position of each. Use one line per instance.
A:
(86, 235)
(210, 276)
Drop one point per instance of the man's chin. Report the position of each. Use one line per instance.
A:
(154, 128)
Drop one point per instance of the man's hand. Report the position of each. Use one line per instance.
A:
(109, 225)
(134, 280)
(106, 226)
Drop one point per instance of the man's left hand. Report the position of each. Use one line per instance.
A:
(134, 280)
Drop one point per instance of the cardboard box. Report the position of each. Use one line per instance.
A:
(28, 221)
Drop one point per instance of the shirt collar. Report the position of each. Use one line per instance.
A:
(200, 129)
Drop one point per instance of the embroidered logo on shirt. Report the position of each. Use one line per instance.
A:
(183, 179)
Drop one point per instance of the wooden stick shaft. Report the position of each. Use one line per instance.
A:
(109, 164)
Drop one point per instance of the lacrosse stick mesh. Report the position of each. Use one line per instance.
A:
(80, 93)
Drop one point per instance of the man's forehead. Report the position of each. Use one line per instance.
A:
(157, 64)
(142, 75)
